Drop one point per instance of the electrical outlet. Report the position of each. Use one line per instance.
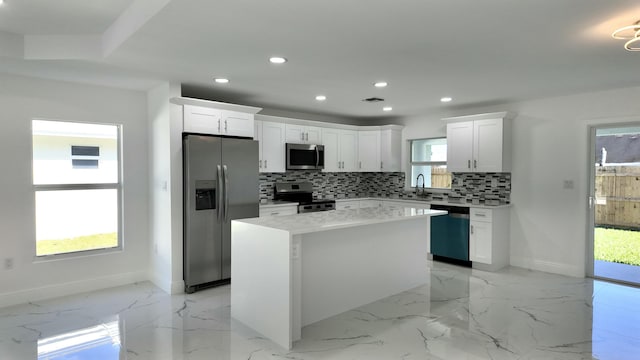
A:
(8, 263)
(567, 184)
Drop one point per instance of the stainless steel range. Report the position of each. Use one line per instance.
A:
(301, 192)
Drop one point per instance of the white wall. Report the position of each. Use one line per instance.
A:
(165, 190)
(550, 144)
(23, 99)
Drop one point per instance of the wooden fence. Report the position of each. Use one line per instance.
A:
(440, 178)
(618, 196)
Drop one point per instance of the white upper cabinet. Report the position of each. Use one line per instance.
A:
(349, 150)
(460, 147)
(488, 144)
(272, 146)
(203, 120)
(211, 120)
(237, 123)
(301, 134)
(479, 143)
(340, 149)
(369, 150)
(390, 150)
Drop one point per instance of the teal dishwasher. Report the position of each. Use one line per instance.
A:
(450, 235)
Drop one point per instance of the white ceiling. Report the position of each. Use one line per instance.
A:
(477, 51)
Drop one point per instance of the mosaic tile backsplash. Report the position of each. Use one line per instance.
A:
(466, 187)
(338, 185)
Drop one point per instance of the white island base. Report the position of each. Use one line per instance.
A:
(291, 271)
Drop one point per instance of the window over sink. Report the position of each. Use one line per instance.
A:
(429, 158)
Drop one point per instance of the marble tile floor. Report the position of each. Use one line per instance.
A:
(458, 314)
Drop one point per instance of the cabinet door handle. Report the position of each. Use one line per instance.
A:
(225, 126)
(260, 164)
(301, 136)
(265, 163)
(275, 213)
(471, 229)
(360, 165)
(469, 164)
(475, 164)
(218, 125)
(381, 167)
(306, 136)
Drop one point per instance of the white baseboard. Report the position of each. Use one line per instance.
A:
(548, 266)
(170, 287)
(70, 288)
(177, 287)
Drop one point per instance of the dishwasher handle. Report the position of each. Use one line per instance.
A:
(459, 216)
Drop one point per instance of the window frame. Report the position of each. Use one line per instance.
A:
(118, 186)
(423, 163)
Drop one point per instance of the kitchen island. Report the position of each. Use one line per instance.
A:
(291, 271)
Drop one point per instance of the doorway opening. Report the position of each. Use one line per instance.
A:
(615, 203)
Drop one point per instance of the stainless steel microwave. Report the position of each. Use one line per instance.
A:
(305, 157)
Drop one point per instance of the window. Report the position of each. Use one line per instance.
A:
(429, 158)
(85, 157)
(77, 184)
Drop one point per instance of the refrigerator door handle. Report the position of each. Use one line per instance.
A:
(225, 171)
(219, 194)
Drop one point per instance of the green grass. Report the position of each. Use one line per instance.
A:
(80, 243)
(621, 246)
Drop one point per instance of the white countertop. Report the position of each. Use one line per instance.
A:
(276, 203)
(430, 202)
(339, 219)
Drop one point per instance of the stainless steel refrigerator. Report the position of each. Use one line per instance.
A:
(220, 184)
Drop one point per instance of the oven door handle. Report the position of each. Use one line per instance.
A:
(317, 157)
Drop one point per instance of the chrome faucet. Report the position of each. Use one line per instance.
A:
(417, 182)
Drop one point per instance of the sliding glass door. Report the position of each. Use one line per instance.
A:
(614, 203)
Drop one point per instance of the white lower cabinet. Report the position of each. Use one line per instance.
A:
(489, 238)
(480, 242)
(278, 211)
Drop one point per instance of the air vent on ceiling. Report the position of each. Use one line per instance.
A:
(373, 100)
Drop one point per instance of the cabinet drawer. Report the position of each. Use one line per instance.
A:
(279, 211)
(484, 215)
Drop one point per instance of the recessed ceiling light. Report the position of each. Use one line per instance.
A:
(1, 2)
(446, 99)
(277, 60)
(387, 108)
(222, 80)
(321, 98)
(380, 84)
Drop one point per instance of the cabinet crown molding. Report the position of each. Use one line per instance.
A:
(214, 105)
(286, 120)
(495, 115)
